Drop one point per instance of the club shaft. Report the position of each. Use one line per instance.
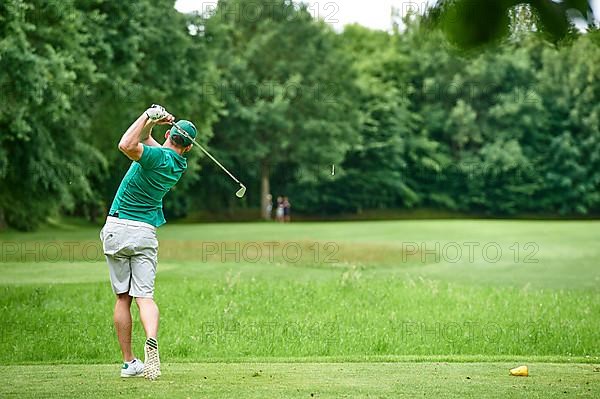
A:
(183, 132)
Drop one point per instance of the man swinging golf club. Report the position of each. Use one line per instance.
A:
(129, 235)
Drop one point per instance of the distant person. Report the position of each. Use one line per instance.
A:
(269, 207)
(279, 212)
(287, 209)
(129, 235)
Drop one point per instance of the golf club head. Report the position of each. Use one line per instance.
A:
(240, 193)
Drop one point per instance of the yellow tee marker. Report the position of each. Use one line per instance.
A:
(521, 371)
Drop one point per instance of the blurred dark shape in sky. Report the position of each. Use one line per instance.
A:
(473, 23)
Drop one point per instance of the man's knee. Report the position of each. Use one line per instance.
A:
(124, 298)
(145, 301)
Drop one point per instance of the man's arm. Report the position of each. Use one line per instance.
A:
(139, 132)
(130, 143)
(147, 135)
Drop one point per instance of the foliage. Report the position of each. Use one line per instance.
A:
(287, 89)
(46, 161)
(75, 73)
(471, 24)
(407, 119)
(510, 130)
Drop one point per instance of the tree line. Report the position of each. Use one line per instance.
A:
(408, 119)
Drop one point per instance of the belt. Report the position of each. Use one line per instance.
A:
(127, 222)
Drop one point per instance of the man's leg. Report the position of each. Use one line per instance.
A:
(122, 320)
(114, 239)
(149, 315)
(143, 274)
(142, 288)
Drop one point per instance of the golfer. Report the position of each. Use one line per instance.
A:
(129, 235)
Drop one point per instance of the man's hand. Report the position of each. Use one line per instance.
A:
(156, 112)
(167, 120)
(141, 131)
(146, 135)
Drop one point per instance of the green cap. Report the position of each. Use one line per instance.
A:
(189, 129)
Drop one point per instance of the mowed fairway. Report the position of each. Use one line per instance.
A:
(345, 309)
(306, 380)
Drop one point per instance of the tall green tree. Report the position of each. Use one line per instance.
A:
(373, 174)
(45, 155)
(287, 88)
(75, 74)
(147, 55)
(568, 90)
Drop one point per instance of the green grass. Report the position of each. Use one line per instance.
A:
(374, 292)
(307, 380)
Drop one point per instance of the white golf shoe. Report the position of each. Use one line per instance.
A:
(134, 368)
(152, 360)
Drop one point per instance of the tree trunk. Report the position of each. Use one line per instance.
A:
(2, 220)
(265, 189)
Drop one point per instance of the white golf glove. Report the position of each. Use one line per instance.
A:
(156, 112)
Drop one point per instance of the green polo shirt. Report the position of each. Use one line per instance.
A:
(140, 194)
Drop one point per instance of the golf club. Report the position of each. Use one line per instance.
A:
(240, 193)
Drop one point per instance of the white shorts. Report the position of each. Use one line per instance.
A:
(131, 250)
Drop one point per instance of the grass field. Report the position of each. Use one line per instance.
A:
(385, 309)
(307, 380)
